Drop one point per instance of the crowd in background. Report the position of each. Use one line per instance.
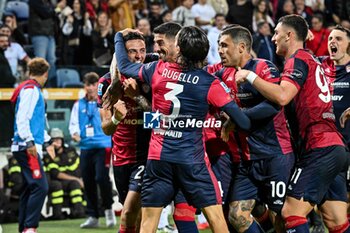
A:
(81, 32)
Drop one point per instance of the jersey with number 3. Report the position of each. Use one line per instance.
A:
(310, 114)
(185, 96)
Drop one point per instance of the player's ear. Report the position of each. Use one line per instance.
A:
(241, 47)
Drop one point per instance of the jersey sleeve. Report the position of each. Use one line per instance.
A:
(219, 94)
(295, 71)
(268, 71)
(147, 71)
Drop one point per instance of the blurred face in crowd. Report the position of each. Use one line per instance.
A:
(339, 47)
(299, 4)
(265, 29)
(229, 51)
(288, 7)
(57, 143)
(316, 24)
(6, 31)
(91, 90)
(136, 50)
(262, 6)
(188, 3)
(9, 20)
(144, 27)
(165, 47)
(168, 17)
(220, 22)
(4, 42)
(102, 19)
(280, 38)
(76, 6)
(156, 9)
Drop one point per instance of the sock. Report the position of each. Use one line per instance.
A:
(255, 228)
(184, 218)
(296, 224)
(344, 228)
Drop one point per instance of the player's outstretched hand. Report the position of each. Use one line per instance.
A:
(241, 75)
(131, 89)
(226, 129)
(344, 117)
(120, 110)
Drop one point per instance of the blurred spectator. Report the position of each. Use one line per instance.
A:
(213, 35)
(77, 35)
(241, 12)
(7, 80)
(122, 14)
(64, 177)
(17, 35)
(345, 23)
(303, 10)
(144, 26)
(203, 14)
(102, 40)
(155, 14)
(318, 45)
(220, 6)
(286, 9)
(262, 44)
(183, 14)
(172, 4)
(41, 28)
(167, 16)
(85, 128)
(93, 7)
(14, 52)
(261, 13)
(315, 5)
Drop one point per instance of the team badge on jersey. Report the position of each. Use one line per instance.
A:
(151, 120)
(99, 89)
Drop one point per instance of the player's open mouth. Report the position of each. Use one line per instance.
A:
(333, 49)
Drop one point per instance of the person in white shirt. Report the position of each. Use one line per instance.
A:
(183, 14)
(213, 36)
(14, 52)
(203, 14)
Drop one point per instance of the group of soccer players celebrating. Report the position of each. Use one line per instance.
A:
(281, 150)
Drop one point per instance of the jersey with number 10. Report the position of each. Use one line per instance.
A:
(310, 114)
(185, 97)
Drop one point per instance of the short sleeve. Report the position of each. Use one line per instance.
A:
(219, 94)
(296, 72)
(268, 71)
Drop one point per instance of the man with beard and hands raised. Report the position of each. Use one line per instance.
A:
(180, 90)
(319, 177)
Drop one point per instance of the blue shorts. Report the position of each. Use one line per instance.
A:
(320, 175)
(224, 170)
(162, 180)
(128, 178)
(263, 180)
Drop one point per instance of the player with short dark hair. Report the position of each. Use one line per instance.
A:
(319, 177)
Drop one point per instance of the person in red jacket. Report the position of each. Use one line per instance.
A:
(318, 45)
